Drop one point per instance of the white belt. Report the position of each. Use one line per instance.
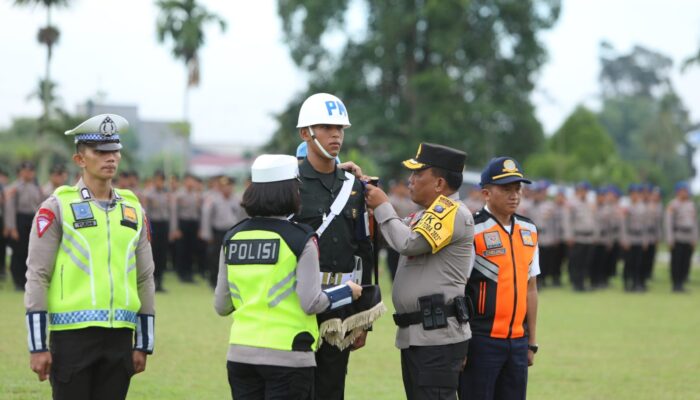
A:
(336, 278)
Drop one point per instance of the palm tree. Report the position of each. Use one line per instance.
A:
(183, 21)
(47, 36)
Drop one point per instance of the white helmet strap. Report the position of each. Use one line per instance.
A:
(323, 151)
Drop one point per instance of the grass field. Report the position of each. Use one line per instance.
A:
(600, 345)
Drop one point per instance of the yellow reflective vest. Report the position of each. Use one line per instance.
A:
(261, 256)
(94, 278)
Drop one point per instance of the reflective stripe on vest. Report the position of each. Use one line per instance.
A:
(499, 281)
(94, 277)
(262, 282)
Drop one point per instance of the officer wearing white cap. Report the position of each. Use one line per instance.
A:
(269, 280)
(332, 203)
(90, 276)
(436, 248)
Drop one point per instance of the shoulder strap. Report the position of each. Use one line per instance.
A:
(339, 203)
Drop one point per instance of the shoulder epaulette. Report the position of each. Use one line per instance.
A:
(481, 216)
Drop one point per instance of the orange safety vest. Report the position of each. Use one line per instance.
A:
(498, 283)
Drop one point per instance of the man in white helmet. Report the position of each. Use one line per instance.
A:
(332, 202)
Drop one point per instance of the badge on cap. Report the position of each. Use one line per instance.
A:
(108, 127)
(509, 166)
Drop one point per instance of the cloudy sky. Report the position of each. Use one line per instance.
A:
(109, 48)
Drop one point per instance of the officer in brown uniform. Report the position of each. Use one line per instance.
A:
(581, 232)
(634, 240)
(655, 219)
(681, 234)
(187, 208)
(23, 198)
(58, 176)
(436, 248)
(220, 212)
(615, 216)
(543, 214)
(90, 276)
(156, 201)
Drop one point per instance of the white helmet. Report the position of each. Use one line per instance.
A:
(323, 108)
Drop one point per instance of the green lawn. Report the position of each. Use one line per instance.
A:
(601, 345)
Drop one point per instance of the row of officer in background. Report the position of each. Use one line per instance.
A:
(191, 220)
(595, 234)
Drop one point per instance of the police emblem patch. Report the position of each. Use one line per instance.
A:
(509, 166)
(82, 211)
(44, 219)
(527, 238)
(438, 208)
(129, 213)
(492, 240)
(129, 217)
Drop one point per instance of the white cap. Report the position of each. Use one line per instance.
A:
(274, 168)
(323, 108)
(101, 130)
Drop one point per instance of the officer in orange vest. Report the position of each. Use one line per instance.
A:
(502, 287)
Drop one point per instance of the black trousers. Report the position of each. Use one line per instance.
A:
(20, 250)
(496, 369)
(611, 258)
(331, 369)
(432, 372)
(188, 249)
(91, 363)
(214, 250)
(3, 249)
(159, 245)
(580, 260)
(269, 382)
(549, 256)
(681, 254)
(632, 274)
(598, 266)
(648, 259)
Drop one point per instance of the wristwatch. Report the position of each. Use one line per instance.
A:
(533, 347)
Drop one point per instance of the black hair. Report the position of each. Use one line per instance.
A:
(272, 198)
(452, 178)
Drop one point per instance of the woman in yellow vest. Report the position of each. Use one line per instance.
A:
(269, 280)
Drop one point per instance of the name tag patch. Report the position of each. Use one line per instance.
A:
(252, 251)
(129, 217)
(494, 252)
(527, 238)
(84, 224)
